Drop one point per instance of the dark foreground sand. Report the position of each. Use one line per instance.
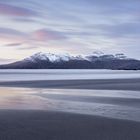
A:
(110, 84)
(41, 125)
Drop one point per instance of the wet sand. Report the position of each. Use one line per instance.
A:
(54, 125)
(41, 125)
(101, 84)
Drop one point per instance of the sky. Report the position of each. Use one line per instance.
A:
(68, 26)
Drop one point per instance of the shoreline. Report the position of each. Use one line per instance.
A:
(99, 84)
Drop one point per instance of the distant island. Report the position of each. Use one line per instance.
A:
(65, 61)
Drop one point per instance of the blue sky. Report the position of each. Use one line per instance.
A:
(68, 26)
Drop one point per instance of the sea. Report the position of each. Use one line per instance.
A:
(67, 74)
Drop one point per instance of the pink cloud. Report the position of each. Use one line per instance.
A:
(12, 37)
(47, 35)
(9, 10)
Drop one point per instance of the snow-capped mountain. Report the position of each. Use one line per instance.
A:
(53, 57)
(48, 57)
(101, 56)
(66, 57)
(96, 60)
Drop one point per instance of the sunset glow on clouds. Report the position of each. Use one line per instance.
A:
(77, 27)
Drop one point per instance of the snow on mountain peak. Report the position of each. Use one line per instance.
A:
(66, 57)
(120, 56)
(97, 53)
(49, 56)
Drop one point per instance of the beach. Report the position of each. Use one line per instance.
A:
(40, 125)
(70, 109)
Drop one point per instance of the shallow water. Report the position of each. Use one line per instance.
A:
(114, 104)
(23, 75)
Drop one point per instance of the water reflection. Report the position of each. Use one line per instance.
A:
(116, 104)
(21, 98)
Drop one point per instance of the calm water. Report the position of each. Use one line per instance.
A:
(114, 104)
(14, 75)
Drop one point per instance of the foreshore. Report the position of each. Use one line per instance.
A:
(101, 84)
(60, 125)
(41, 125)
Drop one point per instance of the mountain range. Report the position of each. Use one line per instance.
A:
(97, 60)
